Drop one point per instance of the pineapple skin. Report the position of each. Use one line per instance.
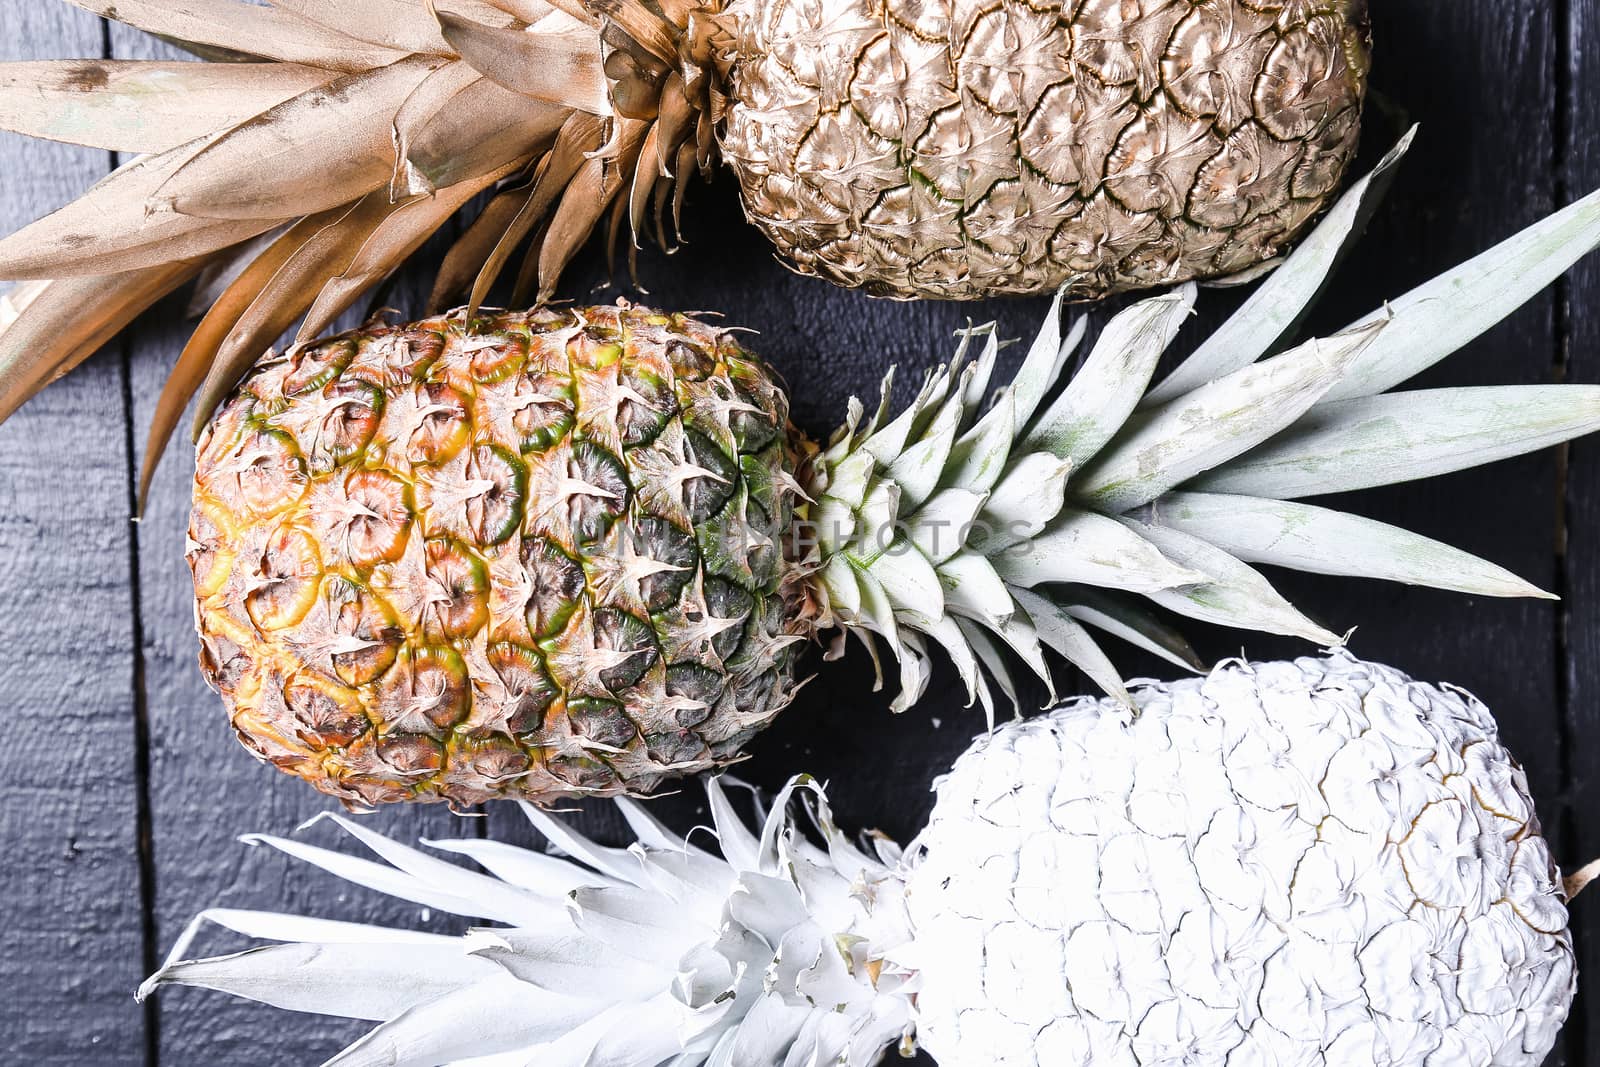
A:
(532, 555)
(960, 149)
(1318, 862)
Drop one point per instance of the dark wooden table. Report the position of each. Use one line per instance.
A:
(122, 789)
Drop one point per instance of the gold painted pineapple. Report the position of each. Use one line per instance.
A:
(962, 148)
(942, 148)
(582, 551)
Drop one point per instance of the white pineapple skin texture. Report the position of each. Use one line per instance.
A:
(1310, 863)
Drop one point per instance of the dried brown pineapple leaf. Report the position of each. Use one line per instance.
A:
(645, 174)
(577, 137)
(485, 127)
(389, 245)
(200, 351)
(277, 164)
(558, 62)
(576, 8)
(648, 29)
(111, 228)
(243, 27)
(585, 200)
(471, 250)
(531, 11)
(64, 322)
(288, 294)
(135, 106)
(419, 109)
(397, 25)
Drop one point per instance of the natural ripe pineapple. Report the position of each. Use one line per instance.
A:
(581, 551)
(1319, 863)
(521, 550)
(935, 148)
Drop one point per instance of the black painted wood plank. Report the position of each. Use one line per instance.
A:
(70, 943)
(1578, 831)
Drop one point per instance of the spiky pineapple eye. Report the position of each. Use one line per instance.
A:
(286, 580)
(443, 428)
(555, 582)
(270, 471)
(496, 355)
(393, 358)
(641, 416)
(730, 605)
(547, 415)
(381, 510)
(350, 426)
(529, 688)
(697, 689)
(411, 755)
(674, 549)
(459, 604)
(360, 614)
(427, 692)
(322, 718)
(1297, 91)
(689, 361)
(706, 492)
(495, 513)
(601, 492)
(493, 760)
(632, 643)
(312, 368)
(579, 772)
(601, 721)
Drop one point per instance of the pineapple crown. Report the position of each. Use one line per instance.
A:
(571, 114)
(1056, 511)
(659, 953)
(1358, 841)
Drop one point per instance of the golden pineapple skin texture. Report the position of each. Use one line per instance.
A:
(534, 555)
(964, 148)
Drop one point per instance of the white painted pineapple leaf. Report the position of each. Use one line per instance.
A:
(916, 670)
(1120, 617)
(979, 456)
(1322, 541)
(1165, 446)
(1233, 594)
(918, 468)
(1279, 302)
(995, 667)
(1097, 401)
(534, 871)
(939, 528)
(973, 588)
(450, 894)
(1082, 546)
(1444, 315)
(1027, 498)
(1067, 637)
(908, 579)
(356, 980)
(499, 1014)
(1041, 368)
(1398, 437)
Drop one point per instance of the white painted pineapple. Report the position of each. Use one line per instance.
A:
(1317, 862)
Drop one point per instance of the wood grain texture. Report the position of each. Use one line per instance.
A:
(71, 941)
(1577, 832)
(1504, 90)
